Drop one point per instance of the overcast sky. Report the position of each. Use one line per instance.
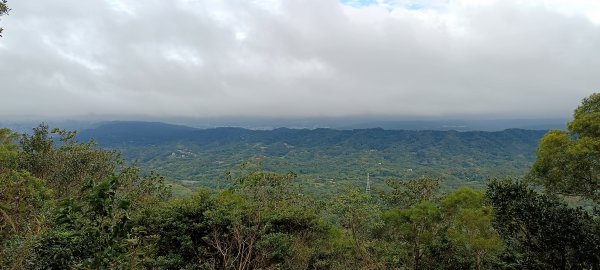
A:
(299, 58)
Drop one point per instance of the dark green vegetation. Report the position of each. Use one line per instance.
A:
(3, 11)
(70, 205)
(325, 159)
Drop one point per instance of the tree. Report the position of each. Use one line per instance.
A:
(470, 223)
(8, 150)
(97, 230)
(540, 231)
(359, 216)
(416, 230)
(405, 194)
(63, 162)
(568, 162)
(3, 11)
(257, 224)
(24, 201)
(65, 204)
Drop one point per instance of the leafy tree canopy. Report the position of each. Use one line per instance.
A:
(568, 162)
(541, 231)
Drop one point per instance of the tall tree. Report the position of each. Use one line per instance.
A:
(540, 231)
(416, 229)
(359, 216)
(470, 224)
(568, 162)
(412, 222)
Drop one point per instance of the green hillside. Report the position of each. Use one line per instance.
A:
(324, 159)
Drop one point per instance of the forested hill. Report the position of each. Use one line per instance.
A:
(151, 133)
(322, 156)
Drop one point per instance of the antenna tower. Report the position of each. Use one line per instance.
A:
(368, 190)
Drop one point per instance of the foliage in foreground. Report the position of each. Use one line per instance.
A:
(569, 162)
(69, 205)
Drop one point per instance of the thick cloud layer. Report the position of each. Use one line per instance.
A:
(299, 58)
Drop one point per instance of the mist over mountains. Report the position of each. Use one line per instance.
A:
(346, 123)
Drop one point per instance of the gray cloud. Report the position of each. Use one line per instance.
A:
(295, 58)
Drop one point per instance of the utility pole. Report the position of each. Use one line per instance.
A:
(368, 190)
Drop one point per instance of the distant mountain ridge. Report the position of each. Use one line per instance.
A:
(324, 158)
(465, 125)
(340, 123)
(125, 132)
(145, 133)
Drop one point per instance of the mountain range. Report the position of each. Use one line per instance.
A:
(323, 158)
